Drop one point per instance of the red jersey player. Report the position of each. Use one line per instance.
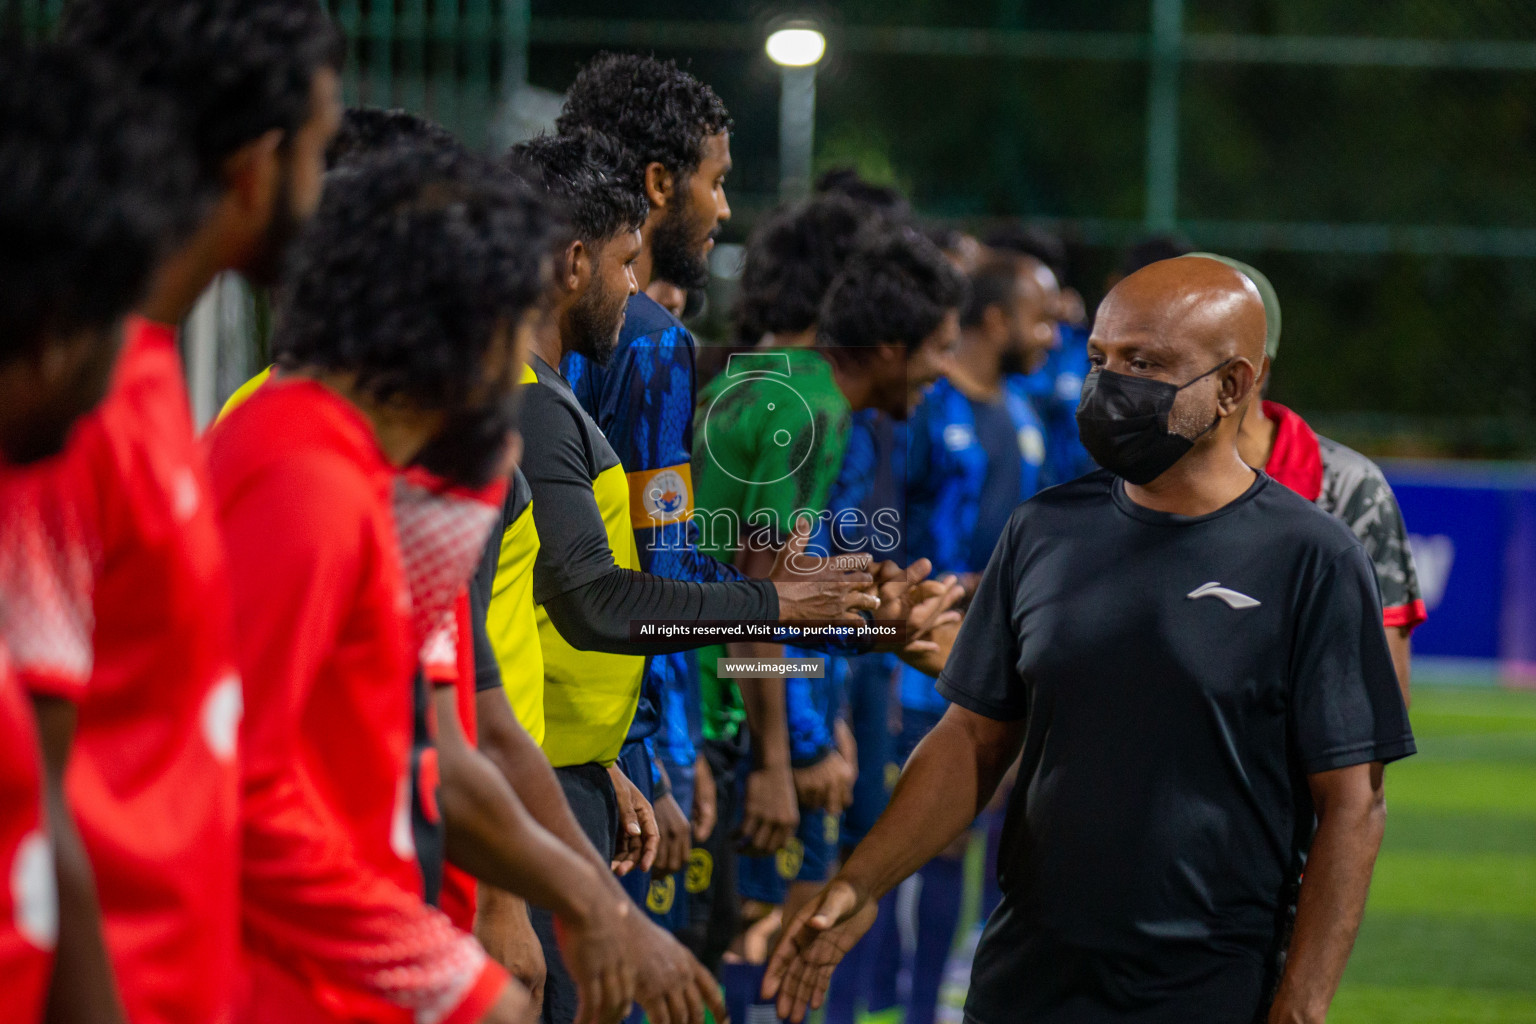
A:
(149, 724)
(395, 341)
(489, 832)
(95, 177)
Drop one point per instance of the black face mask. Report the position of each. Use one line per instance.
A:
(472, 445)
(1123, 422)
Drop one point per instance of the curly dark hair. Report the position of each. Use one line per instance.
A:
(994, 283)
(652, 106)
(850, 184)
(585, 172)
(366, 131)
(414, 259)
(791, 260)
(234, 68)
(96, 173)
(1027, 240)
(1153, 249)
(898, 288)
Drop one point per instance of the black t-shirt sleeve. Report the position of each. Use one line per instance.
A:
(596, 616)
(487, 669)
(1346, 707)
(590, 599)
(573, 541)
(982, 674)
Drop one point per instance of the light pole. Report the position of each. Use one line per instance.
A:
(796, 48)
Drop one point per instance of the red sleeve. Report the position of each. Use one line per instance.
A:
(49, 554)
(309, 902)
(1405, 616)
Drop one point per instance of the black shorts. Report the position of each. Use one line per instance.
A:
(589, 791)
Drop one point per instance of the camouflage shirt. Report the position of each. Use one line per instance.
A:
(1352, 488)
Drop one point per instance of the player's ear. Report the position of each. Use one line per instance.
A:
(251, 173)
(1237, 383)
(574, 267)
(994, 320)
(658, 185)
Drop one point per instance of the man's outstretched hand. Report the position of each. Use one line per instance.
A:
(815, 942)
(672, 987)
(770, 811)
(672, 824)
(602, 964)
(816, 589)
(925, 606)
(639, 840)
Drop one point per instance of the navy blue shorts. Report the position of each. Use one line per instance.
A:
(635, 762)
(869, 716)
(809, 856)
(667, 899)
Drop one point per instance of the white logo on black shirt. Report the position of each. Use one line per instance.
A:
(1232, 598)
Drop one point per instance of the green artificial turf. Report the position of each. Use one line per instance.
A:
(1450, 931)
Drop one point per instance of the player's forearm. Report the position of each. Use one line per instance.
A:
(504, 741)
(1400, 644)
(947, 781)
(493, 837)
(1332, 903)
(763, 700)
(83, 988)
(597, 615)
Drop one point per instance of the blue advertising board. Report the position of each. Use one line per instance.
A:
(1473, 531)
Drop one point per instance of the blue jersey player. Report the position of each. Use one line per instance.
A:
(643, 397)
(1054, 390)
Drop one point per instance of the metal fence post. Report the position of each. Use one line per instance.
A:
(1163, 114)
(797, 127)
(445, 79)
(381, 40)
(349, 15)
(476, 101)
(413, 37)
(202, 352)
(516, 16)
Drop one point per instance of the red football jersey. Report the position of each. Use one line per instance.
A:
(29, 906)
(442, 529)
(334, 921)
(120, 575)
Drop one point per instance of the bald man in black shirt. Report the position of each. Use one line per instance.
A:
(1190, 658)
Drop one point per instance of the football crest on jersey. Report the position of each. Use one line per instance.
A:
(1069, 387)
(185, 495)
(1031, 444)
(401, 841)
(34, 894)
(222, 709)
(958, 437)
